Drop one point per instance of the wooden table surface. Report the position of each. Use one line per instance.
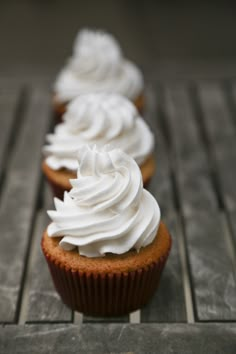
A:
(194, 309)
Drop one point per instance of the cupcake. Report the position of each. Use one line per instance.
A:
(96, 118)
(106, 246)
(97, 65)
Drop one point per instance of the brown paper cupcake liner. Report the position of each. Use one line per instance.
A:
(111, 294)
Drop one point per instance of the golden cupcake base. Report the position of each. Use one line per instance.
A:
(113, 285)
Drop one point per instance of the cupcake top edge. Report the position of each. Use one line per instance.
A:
(98, 118)
(97, 64)
(107, 209)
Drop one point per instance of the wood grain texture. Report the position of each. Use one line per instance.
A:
(161, 184)
(119, 338)
(196, 159)
(118, 319)
(168, 303)
(232, 222)
(184, 133)
(191, 170)
(18, 201)
(226, 177)
(212, 272)
(217, 118)
(195, 192)
(44, 303)
(220, 133)
(8, 112)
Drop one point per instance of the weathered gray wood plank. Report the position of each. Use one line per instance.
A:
(233, 97)
(153, 117)
(18, 201)
(221, 135)
(118, 319)
(161, 188)
(161, 184)
(44, 303)
(168, 303)
(214, 285)
(118, 338)
(190, 161)
(226, 178)
(184, 133)
(195, 192)
(232, 221)
(8, 106)
(218, 121)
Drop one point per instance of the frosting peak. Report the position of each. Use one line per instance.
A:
(97, 65)
(99, 118)
(107, 209)
(96, 53)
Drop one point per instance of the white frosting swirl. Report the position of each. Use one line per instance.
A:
(97, 65)
(107, 210)
(98, 119)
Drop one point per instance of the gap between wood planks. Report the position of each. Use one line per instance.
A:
(185, 272)
(18, 118)
(229, 240)
(23, 306)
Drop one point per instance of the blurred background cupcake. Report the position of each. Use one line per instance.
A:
(97, 65)
(97, 118)
(106, 247)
